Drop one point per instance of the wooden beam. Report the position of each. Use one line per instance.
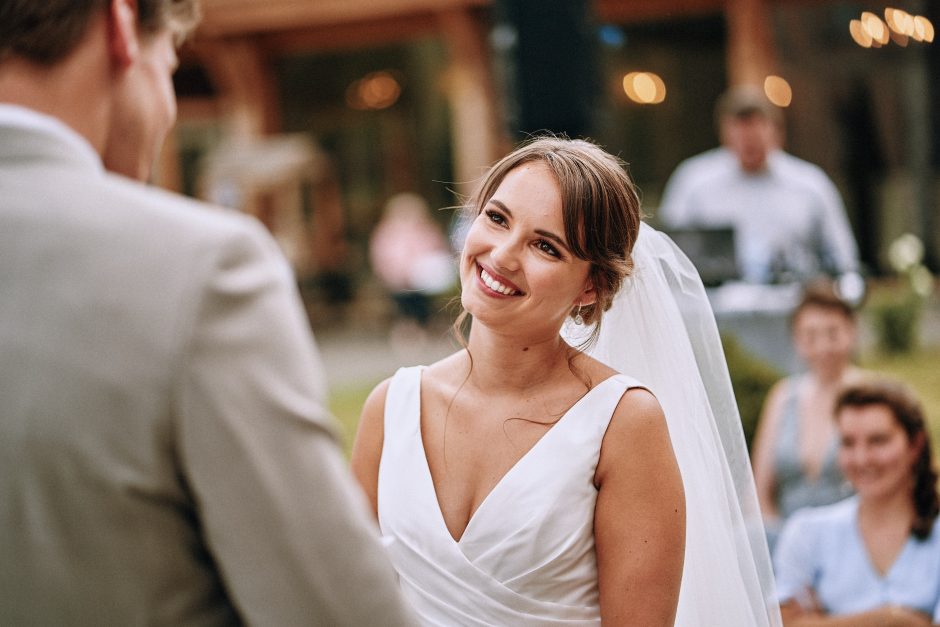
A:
(227, 17)
(351, 35)
(626, 11)
(234, 17)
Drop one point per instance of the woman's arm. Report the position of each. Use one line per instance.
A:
(887, 616)
(763, 458)
(639, 523)
(367, 447)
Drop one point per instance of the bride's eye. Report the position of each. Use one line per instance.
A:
(495, 217)
(547, 248)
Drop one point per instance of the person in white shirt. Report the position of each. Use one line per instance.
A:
(788, 217)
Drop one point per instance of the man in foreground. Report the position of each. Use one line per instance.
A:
(165, 454)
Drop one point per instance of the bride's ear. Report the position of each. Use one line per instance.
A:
(588, 295)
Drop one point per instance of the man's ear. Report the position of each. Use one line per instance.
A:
(123, 38)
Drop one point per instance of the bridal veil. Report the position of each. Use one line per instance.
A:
(661, 330)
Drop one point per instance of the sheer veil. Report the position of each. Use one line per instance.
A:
(661, 331)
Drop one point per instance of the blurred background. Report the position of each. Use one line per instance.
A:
(312, 114)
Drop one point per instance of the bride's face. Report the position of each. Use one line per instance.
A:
(516, 267)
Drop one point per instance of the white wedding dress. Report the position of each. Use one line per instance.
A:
(527, 555)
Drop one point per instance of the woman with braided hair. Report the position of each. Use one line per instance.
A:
(874, 558)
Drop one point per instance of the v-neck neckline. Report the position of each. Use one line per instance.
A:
(502, 480)
(829, 455)
(869, 561)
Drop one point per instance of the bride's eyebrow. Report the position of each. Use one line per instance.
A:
(502, 206)
(549, 235)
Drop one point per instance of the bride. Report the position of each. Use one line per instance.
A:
(522, 481)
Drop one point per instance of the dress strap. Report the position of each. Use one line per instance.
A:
(403, 403)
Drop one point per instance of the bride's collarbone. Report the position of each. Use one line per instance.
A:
(538, 404)
(472, 442)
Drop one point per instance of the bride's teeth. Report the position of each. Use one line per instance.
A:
(493, 284)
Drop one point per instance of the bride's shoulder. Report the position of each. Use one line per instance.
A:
(595, 371)
(446, 374)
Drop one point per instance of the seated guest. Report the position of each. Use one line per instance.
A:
(796, 443)
(874, 558)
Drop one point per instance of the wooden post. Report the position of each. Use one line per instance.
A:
(244, 79)
(472, 98)
(751, 52)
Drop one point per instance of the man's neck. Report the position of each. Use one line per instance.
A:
(72, 91)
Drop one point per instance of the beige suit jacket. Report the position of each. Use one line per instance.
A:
(165, 455)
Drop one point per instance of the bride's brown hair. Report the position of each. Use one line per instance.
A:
(600, 209)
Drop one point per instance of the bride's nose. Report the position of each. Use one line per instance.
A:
(505, 254)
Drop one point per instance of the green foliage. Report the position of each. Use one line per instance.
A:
(751, 379)
(896, 317)
(897, 309)
(921, 370)
(346, 405)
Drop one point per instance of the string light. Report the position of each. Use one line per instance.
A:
(778, 91)
(644, 87)
(877, 29)
(860, 34)
(378, 90)
(898, 26)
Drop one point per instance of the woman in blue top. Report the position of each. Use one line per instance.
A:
(874, 558)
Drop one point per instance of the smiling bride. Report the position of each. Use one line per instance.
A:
(522, 481)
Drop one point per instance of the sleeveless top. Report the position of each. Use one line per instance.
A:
(527, 554)
(794, 488)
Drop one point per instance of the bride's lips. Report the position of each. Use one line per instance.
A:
(496, 284)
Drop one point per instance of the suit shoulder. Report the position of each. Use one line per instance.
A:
(175, 207)
(181, 222)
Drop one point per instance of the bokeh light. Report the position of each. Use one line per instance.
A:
(378, 90)
(860, 34)
(890, 18)
(900, 21)
(898, 26)
(877, 29)
(644, 87)
(778, 91)
(923, 29)
(899, 38)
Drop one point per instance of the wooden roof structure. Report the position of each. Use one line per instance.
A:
(238, 39)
